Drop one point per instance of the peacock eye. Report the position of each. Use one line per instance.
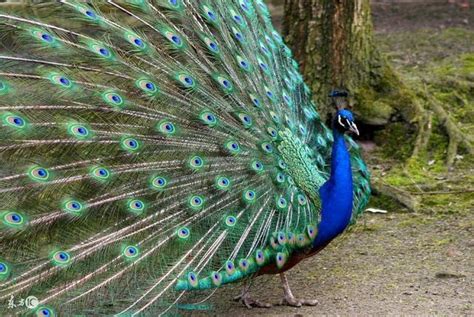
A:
(47, 37)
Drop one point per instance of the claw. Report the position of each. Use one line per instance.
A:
(293, 302)
(249, 302)
(309, 302)
(290, 301)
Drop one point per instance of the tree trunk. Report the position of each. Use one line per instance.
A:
(333, 42)
(334, 45)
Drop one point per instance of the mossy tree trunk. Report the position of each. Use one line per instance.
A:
(334, 45)
(333, 42)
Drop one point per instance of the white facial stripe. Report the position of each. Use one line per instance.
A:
(339, 119)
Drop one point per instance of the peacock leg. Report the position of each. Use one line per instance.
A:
(289, 299)
(249, 302)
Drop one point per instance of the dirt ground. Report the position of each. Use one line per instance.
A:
(397, 263)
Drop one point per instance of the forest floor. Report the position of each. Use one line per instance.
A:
(400, 262)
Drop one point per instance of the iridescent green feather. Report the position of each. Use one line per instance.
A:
(152, 148)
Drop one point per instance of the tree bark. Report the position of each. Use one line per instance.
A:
(333, 42)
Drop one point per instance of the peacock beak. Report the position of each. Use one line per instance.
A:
(353, 128)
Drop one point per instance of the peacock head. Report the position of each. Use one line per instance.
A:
(344, 119)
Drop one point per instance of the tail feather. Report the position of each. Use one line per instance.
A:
(143, 148)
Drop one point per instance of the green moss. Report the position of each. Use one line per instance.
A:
(452, 85)
(441, 242)
(418, 178)
(371, 108)
(367, 227)
(413, 172)
(383, 202)
(448, 78)
(415, 221)
(395, 141)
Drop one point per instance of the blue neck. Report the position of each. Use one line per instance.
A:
(336, 194)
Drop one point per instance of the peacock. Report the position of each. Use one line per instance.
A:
(153, 151)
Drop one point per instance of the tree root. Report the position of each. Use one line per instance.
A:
(425, 113)
(402, 197)
(424, 134)
(465, 191)
(456, 136)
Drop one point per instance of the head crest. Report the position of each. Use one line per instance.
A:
(338, 93)
(339, 98)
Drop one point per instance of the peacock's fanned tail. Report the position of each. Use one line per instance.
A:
(150, 148)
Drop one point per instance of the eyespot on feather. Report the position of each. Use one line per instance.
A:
(113, 99)
(246, 120)
(222, 183)
(14, 121)
(166, 127)
(130, 252)
(183, 233)
(281, 203)
(73, 207)
(196, 202)
(238, 34)
(209, 14)
(232, 147)
(130, 144)
(216, 278)
(267, 148)
(44, 311)
(244, 64)
(5, 270)
(159, 182)
(230, 221)
(79, 131)
(100, 173)
(224, 83)
(257, 166)
(186, 80)
(208, 118)
(60, 80)
(136, 206)
(193, 279)
(249, 196)
(61, 258)
(256, 102)
(135, 40)
(196, 162)
(147, 86)
(38, 173)
(13, 219)
(212, 45)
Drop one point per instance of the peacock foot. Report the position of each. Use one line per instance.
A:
(289, 299)
(248, 301)
(294, 302)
